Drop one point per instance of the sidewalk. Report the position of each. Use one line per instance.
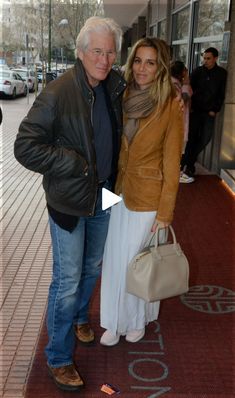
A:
(26, 258)
(25, 255)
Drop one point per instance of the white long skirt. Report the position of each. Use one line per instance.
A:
(128, 233)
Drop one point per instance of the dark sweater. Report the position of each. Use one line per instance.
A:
(208, 88)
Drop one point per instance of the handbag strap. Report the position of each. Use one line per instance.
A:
(176, 247)
(166, 229)
(155, 236)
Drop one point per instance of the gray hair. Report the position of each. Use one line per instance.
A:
(97, 25)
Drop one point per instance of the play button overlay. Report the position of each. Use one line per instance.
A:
(109, 199)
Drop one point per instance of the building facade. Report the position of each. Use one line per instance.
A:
(189, 27)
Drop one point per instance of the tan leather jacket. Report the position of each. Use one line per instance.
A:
(148, 171)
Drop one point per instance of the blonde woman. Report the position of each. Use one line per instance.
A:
(148, 178)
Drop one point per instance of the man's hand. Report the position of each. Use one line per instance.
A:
(212, 114)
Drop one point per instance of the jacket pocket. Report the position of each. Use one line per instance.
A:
(70, 162)
(67, 191)
(147, 173)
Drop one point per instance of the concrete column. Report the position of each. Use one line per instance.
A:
(169, 21)
(141, 29)
(134, 33)
(230, 89)
(125, 45)
(227, 152)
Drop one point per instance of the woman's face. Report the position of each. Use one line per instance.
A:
(145, 66)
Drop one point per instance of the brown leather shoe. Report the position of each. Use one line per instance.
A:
(66, 377)
(84, 333)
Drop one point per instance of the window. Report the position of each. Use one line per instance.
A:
(153, 30)
(181, 24)
(162, 29)
(180, 34)
(158, 11)
(153, 11)
(178, 3)
(180, 52)
(211, 17)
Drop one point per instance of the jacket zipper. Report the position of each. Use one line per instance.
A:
(92, 108)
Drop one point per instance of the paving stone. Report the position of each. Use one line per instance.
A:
(25, 271)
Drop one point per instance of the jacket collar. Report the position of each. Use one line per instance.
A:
(114, 83)
(210, 70)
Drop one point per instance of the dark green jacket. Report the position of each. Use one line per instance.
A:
(56, 139)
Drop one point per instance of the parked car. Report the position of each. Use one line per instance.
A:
(54, 73)
(51, 75)
(12, 84)
(61, 71)
(29, 76)
(4, 66)
(39, 75)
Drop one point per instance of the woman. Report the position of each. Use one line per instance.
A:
(148, 178)
(180, 79)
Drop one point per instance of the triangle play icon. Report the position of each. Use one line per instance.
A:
(109, 199)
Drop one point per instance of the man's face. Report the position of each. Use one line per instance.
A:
(209, 60)
(99, 57)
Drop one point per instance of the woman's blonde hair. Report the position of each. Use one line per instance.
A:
(162, 88)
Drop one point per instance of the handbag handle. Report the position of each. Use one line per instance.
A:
(176, 246)
(167, 228)
(155, 237)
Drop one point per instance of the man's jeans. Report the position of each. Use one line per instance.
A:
(77, 258)
(201, 129)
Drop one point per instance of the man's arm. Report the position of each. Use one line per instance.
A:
(195, 75)
(38, 148)
(220, 96)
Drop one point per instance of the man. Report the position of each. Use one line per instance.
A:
(208, 84)
(71, 135)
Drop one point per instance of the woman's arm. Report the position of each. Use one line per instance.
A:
(171, 156)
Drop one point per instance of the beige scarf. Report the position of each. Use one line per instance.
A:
(137, 105)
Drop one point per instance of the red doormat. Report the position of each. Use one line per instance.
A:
(189, 351)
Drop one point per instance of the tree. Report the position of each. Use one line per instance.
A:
(212, 15)
(30, 20)
(23, 29)
(68, 18)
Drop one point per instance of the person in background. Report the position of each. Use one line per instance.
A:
(208, 83)
(72, 137)
(148, 180)
(0, 115)
(180, 79)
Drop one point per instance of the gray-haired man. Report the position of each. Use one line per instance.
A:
(71, 135)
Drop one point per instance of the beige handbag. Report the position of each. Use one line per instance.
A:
(159, 271)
